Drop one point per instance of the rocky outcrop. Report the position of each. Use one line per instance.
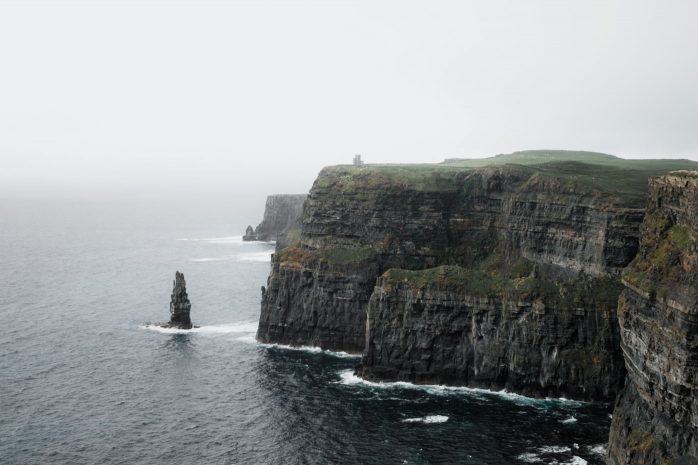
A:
(505, 222)
(282, 213)
(179, 304)
(655, 421)
(450, 325)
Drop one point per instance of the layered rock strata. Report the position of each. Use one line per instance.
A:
(655, 421)
(282, 213)
(450, 325)
(511, 224)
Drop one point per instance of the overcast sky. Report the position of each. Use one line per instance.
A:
(256, 96)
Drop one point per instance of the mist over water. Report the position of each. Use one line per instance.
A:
(84, 381)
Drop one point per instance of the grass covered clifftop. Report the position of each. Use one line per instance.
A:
(590, 172)
(581, 292)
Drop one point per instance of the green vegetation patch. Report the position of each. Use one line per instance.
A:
(666, 258)
(582, 292)
(420, 177)
(624, 179)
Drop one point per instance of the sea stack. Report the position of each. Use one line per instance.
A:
(179, 305)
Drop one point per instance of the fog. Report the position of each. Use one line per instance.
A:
(238, 99)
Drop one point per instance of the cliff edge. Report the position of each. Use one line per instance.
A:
(501, 273)
(655, 421)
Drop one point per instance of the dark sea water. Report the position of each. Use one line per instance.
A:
(83, 382)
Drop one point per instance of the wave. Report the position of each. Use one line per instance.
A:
(536, 457)
(349, 378)
(599, 449)
(568, 421)
(309, 349)
(529, 457)
(231, 328)
(554, 449)
(427, 419)
(245, 331)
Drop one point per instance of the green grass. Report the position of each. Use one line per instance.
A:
(622, 178)
(666, 260)
(345, 256)
(583, 292)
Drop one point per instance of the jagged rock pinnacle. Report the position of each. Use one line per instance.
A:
(180, 305)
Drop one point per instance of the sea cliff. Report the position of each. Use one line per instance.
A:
(282, 213)
(503, 274)
(655, 421)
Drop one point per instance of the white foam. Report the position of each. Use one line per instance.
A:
(349, 378)
(529, 457)
(569, 420)
(553, 449)
(599, 449)
(310, 349)
(427, 419)
(576, 461)
(231, 328)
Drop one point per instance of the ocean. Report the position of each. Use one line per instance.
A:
(84, 380)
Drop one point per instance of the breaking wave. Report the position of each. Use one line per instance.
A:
(232, 328)
(349, 378)
(427, 419)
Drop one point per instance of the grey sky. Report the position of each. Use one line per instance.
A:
(257, 96)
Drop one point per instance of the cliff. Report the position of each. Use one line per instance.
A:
(450, 325)
(656, 417)
(537, 250)
(282, 213)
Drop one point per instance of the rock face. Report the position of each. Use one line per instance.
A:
(655, 421)
(536, 244)
(179, 304)
(454, 326)
(282, 213)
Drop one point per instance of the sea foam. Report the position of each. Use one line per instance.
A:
(231, 328)
(427, 419)
(309, 349)
(348, 377)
